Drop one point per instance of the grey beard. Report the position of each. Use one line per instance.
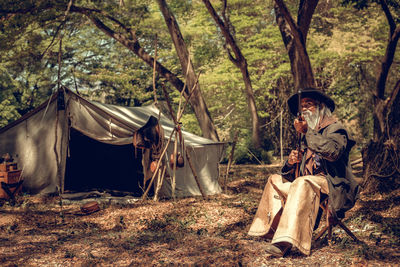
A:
(312, 119)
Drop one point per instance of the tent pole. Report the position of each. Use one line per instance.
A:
(159, 181)
(230, 161)
(175, 159)
(280, 136)
(158, 166)
(176, 120)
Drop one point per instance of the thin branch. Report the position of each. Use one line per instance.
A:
(229, 39)
(154, 71)
(231, 57)
(132, 44)
(251, 153)
(224, 7)
(52, 40)
(381, 176)
(63, 22)
(171, 112)
(289, 19)
(73, 76)
(394, 93)
(190, 95)
(389, 17)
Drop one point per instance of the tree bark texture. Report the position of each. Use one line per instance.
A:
(381, 157)
(380, 102)
(240, 61)
(294, 37)
(197, 101)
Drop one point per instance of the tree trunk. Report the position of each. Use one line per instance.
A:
(294, 37)
(240, 61)
(251, 103)
(381, 157)
(196, 100)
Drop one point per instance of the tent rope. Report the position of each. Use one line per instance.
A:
(59, 175)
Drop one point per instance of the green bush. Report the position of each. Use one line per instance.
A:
(246, 153)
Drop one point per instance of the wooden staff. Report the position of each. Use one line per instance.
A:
(297, 173)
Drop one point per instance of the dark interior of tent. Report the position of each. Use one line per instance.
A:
(93, 165)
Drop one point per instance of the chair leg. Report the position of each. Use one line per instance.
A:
(330, 223)
(321, 233)
(323, 206)
(344, 227)
(328, 226)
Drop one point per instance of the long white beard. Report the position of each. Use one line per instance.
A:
(312, 119)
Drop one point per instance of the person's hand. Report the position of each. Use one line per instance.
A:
(294, 157)
(300, 126)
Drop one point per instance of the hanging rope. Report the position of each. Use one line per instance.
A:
(59, 66)
(154, 72)
(59, 175)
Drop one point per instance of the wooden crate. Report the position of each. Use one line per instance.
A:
(6, 167)
(9, 177)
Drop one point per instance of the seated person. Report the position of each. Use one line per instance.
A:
(290, 202)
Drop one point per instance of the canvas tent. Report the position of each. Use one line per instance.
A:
(71, 143)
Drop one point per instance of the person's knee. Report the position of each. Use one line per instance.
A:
(300, 181)
(275, 178)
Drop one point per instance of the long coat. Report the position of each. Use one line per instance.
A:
(331, 144)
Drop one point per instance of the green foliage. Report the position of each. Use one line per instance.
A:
(8, 109)
(345, 46)
(246, 153)
(346, 59)
(8, 112)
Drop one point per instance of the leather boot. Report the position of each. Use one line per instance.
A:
(278, 249)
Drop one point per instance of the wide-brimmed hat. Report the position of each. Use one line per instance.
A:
(293, 101)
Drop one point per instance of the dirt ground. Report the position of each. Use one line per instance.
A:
(38, 231)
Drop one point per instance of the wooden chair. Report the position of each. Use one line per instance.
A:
(11, 190)
(331, 222)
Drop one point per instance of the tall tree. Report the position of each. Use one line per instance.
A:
(381, 156)
(294, 35)
(197, 100)
(236, 56)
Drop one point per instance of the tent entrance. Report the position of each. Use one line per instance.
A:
(93, 165)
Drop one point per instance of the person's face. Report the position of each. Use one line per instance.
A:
(308, 104)
(310, 111)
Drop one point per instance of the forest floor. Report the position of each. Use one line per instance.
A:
(186, 232)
